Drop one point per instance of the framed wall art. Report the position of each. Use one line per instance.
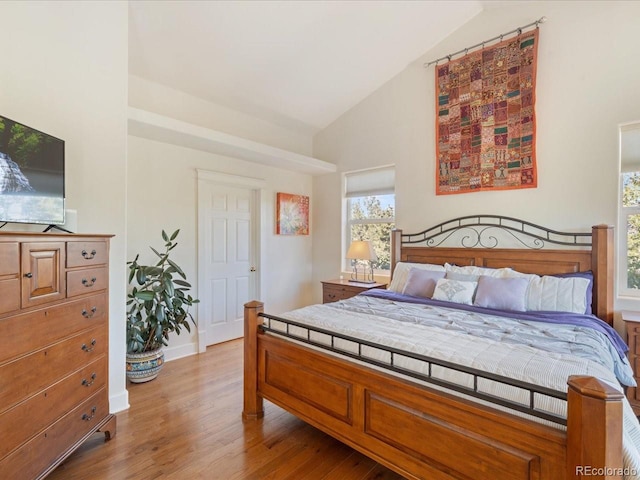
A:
(292, 214)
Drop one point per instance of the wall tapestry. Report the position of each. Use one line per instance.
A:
(292, 215)
(485, 118)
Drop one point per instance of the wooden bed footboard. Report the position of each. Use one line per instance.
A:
(424, 433)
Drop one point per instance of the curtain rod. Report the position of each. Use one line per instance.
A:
(482, 44)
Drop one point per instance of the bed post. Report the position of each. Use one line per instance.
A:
(602, 266)
(594, 429)
(396, 248)
(253, 407)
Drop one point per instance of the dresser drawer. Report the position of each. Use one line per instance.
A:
(334, 290)
(633, 395)
(87, 280)
(9, 277)
(36, 413)
(85, 254)
(33, 373)
(334, 293)
(9, 258)
(48, 446)
(634, 341)
(23, 333)
(9, 294)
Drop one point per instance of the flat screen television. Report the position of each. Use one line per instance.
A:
(31, 175)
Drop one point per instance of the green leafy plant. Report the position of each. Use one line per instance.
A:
(157, 303)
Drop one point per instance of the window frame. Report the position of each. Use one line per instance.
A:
(359, 184)
(628, 163)
(623, 243)
(349, 222)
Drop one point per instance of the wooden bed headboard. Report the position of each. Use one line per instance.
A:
(585, 251)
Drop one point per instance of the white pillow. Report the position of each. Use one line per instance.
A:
(489, 272)
(401, 273)
(456, 291)
(557, 294)
(502, 293)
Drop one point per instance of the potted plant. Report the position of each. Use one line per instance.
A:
(157, 305)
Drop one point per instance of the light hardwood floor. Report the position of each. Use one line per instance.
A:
(187, 424)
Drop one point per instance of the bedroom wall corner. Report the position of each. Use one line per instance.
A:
(327, 242)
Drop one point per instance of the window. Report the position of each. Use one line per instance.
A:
(370, 212)
(629, 218)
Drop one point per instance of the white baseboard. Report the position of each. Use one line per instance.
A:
(119, 402)
(173, 353)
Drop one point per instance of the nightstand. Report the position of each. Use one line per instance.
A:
(334, 290)
(632, 322)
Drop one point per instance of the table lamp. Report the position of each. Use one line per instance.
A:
(361, 250)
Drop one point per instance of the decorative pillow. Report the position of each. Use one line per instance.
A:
(401, 272)
(421, 282)
(473, 270)
(589, 276)
(556, 294)
(502, 293)
(455, 291)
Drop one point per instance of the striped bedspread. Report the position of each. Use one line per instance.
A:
(533, 352)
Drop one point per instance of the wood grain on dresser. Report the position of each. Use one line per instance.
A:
(334, 290)
(54, 344)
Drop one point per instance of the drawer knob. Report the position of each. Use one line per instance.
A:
(88, 383)
(87, 417)
(86, 314)
(88, 256)
(89, 283)
(87, 348)
(28, 275)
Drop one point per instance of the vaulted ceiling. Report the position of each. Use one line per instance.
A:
(300, 64)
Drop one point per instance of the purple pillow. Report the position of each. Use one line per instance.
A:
(421, 283)
(502, 293)
(589, 276)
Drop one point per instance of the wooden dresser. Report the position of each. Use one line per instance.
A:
(334, 290)
(54, 335)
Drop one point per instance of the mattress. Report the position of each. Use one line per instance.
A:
(531, 351)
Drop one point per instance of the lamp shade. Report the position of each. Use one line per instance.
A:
(361, 250)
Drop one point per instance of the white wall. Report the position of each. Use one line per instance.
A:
(64, 71)
(163, 100)
(162, 194)
(587, 84)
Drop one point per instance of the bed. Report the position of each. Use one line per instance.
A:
(429, 417)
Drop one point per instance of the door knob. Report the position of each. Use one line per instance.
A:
(252, 269)
(28, 275)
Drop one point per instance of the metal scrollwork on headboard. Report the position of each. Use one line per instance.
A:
(479, 231)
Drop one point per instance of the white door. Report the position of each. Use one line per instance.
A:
(227, 254)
